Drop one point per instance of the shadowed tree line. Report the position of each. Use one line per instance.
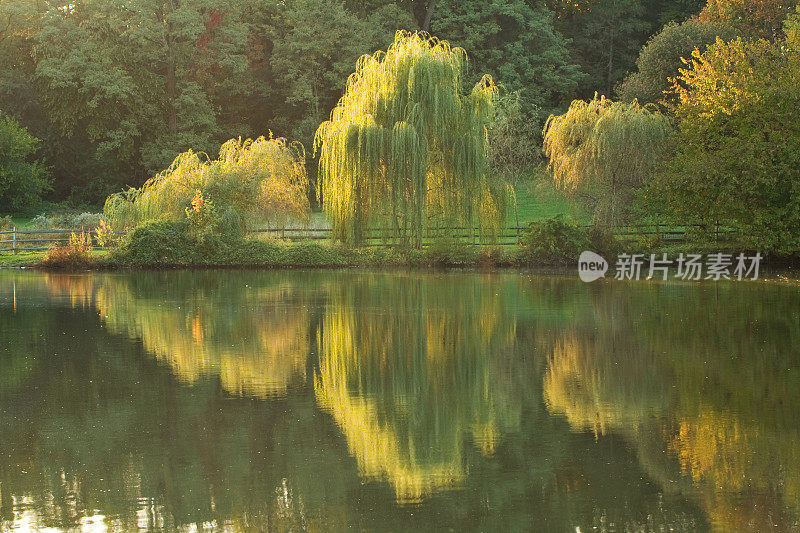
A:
(116, 90)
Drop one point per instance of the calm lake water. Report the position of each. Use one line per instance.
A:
(239, 400)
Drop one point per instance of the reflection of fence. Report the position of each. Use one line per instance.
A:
(15, 240)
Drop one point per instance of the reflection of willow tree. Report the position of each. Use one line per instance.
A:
(254, 336)
(601, 392)
(101, 427)
(444, 362)
(713, 370)
(405, 371)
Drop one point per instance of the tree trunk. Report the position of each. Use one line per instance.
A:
(610, 61)
(426, 24)
(172, 113)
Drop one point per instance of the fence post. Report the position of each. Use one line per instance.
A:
(14, 240)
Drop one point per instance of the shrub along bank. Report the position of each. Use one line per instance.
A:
(555, 242)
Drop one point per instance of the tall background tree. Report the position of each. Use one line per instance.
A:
(142, 81)
(663, 56)
(315, 45)
(516, 43)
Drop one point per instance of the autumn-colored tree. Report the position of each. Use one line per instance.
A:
(738, 146)
(751, 18)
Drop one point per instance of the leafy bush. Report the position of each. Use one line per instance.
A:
(6, 223)
(86, 220)
(41, 222)
(555, 240)
(443, 252)
(104, 234)
(168, 244)
(494, 256)
(72, 256)
(72, 220)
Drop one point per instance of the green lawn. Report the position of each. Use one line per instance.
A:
(537, 199)
(7, 259)
(21, 223)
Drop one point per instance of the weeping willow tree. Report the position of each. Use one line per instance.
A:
(405, 148)
(603, 150)
(253, 181)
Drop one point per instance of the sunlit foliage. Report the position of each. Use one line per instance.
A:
(751, 18)
(663, 55)
(251, 182)
(405, 149)
(603, 151)
(738, 142)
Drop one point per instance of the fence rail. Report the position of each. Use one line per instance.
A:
(16, 240)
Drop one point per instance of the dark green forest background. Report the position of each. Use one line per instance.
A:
(115, 90)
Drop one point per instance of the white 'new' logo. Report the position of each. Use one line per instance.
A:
(591, 266)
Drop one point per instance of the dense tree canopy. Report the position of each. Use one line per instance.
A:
(516, 43)
(751, 18)
(663, 55)
(737, 159)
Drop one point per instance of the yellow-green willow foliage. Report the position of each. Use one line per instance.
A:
(603, 151)
(588, 384)
(411, 389)
(405, 149)
(262, 180)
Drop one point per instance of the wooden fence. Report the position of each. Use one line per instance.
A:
(508, 236)
(385, 236)
(16, 240)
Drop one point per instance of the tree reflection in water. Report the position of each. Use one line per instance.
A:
(311, 400)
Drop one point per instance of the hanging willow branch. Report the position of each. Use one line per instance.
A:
(404, 148)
